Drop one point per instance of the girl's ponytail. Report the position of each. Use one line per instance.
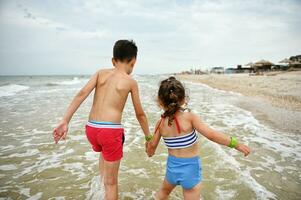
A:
(171, 94)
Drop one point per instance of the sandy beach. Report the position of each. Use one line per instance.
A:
(274, 97)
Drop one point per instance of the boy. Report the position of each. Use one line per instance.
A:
(103, 130)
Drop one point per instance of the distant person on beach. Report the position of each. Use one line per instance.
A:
(179, 132)
(104, 130)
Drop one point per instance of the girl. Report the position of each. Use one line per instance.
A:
(179, 132)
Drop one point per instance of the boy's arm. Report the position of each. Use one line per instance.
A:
(153, 144)
(140, 115)
(216, 136)
(61, 130)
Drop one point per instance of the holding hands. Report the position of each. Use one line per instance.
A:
(148, 149)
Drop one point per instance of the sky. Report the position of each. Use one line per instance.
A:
(53, 37)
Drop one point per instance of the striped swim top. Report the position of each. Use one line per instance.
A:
(179, 142)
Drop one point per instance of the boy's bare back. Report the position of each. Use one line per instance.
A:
(111, 88)
(111, 92)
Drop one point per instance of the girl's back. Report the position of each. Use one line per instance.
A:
(180, 135)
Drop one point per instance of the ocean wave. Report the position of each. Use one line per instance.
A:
(8, 167)
(51, 84)
(97, 189)
(11, 89)
(74, 81)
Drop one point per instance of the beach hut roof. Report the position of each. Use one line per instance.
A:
(263, 62)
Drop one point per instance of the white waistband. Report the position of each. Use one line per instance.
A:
(114, 126)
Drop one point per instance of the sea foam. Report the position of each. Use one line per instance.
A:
(11, 89)
(74, 81)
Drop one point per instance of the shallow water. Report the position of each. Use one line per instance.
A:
(33, 167)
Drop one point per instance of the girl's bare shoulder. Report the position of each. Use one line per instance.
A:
(187, 113)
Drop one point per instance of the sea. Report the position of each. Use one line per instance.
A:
(33, 167)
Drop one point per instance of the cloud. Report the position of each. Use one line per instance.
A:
(171, 35)
(30, 18)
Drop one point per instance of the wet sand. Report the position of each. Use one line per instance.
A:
(274, 98)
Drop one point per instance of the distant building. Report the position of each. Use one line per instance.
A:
(217, 70)
(239, 69)
(230, 70)
(296, 58)
(295, 61)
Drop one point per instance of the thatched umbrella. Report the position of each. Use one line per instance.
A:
(263, 62)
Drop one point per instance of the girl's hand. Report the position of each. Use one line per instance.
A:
(243, 148)
(60, 131)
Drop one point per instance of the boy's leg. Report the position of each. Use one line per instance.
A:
(110, 177)
(193, 193)
(165, 190)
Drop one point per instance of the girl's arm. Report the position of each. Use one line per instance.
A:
(216, 136)
(152, 145)
(61, 130)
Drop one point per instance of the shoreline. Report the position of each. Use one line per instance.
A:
(274, 99)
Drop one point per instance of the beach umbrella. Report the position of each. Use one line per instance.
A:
(263, 62)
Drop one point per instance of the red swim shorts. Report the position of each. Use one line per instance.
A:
(106, 137)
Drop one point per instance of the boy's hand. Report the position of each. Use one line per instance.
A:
(243, 148)
(60, 131)
(149, 150)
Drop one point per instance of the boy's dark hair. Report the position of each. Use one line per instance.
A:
(171, 94)
(125, 50)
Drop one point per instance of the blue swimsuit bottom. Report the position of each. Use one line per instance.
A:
(186, 172)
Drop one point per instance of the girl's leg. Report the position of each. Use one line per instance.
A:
(193, 193)
(165, 190)
(101, 163)
(110, 176)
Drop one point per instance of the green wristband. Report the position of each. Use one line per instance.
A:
(148, 137)
(233, 142)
